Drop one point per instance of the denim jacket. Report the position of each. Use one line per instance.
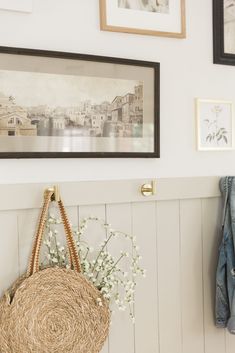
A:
(225, 276)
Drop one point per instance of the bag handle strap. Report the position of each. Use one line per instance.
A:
(74, 261)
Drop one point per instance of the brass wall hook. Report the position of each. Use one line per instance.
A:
(56, 193)
(149, 189)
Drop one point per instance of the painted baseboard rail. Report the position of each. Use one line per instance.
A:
(28, 196)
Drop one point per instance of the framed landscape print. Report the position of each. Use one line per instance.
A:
(224, 31)
(215, 125)
(152, 17)
(55, 104)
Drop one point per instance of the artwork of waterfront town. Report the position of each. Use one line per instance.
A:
(120, 115)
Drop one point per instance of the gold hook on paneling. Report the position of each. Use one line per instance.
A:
(56, 193)
(149, 189)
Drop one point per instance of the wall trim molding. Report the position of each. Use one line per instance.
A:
(29, 196)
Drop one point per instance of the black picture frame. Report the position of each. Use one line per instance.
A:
(220, 57)
(155, 153)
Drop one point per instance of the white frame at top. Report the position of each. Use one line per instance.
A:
(198, 101)
(118, 28)
(25, 6)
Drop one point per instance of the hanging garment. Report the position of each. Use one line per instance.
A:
(225, 276)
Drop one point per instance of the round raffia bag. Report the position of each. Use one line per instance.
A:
(54, 310)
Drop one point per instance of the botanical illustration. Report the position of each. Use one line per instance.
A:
(229, 26)
(42, 104)
(216, 132)
(161, 6)
(215, 122)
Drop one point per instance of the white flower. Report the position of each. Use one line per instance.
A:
(99, 302)
(47, 242)
(99, 266)
(122, 307)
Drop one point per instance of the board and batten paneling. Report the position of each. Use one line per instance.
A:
(178, 231)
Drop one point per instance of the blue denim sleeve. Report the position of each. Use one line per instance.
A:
(222, 310)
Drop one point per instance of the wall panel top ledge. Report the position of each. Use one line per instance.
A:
(29, 196)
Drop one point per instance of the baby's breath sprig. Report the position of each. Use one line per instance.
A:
(100, 267)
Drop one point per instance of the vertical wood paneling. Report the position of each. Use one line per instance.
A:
(230, 342)
(169, 276)
(9, 261)
(191, 276)
(146, 298)
(178, 241)
(211, 219)
(94, 234)
(27, 222)
(121, 337)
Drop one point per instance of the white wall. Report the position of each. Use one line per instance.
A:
(186, 72)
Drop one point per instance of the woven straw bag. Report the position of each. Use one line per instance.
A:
(54, 310)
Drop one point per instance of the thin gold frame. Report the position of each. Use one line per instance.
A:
(105, 27)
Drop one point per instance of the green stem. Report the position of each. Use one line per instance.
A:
(105, 243)
(98, 272)
(110, 271)
(56, 248)
(86, 254)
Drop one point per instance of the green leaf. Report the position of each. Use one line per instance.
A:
(225, 139)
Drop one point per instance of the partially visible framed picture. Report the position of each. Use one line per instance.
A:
(215, 125)
(152, 17)
(224, 31)
(55, 104)
(16, 5)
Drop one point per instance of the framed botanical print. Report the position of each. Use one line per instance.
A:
(55, 104)
(215, 125)
(151, 17)
(224, 31)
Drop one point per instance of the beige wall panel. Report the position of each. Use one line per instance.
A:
(146, 299)
(191, 276)
(121, 337)
(169, 276)
(9, 257)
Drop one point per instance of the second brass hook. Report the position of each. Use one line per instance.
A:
(149, 189)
